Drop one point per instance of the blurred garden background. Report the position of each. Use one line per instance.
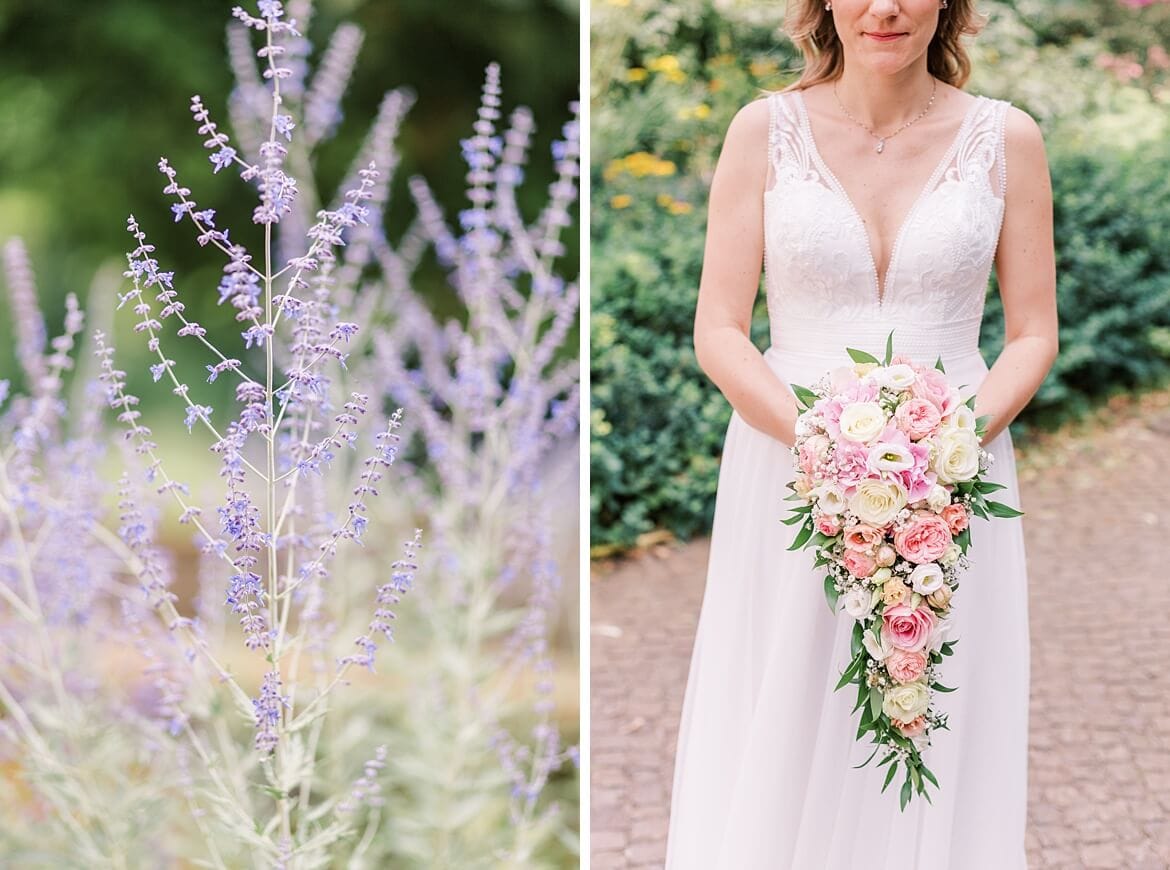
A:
(666, 78)
(92, 95)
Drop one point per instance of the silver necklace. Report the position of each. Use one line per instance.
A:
(881, 145)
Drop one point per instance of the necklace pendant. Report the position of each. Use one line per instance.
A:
(881, 146)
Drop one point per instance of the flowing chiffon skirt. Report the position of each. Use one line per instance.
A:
(764, 772)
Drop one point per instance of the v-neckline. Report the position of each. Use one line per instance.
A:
(880, 282)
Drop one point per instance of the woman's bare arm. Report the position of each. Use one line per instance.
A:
(1026, 267)
(732, 260)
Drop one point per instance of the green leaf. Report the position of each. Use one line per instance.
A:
(905, 797)
(888, 759)
(831, 593)
(803, 536)
(820, 539)
(916, 779)
(855, 639)
(926, 772)
(963, 539)
(947, 648)
(970, 403)
(875, 702)
(889, 776)
(793, 520)
(860, 356)
(986, 486)
(939, 687)
(889, 348)
(938, 365)
(806, 396)
(849, 672)
(999, 509)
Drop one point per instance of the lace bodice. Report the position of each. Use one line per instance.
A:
(819, 266)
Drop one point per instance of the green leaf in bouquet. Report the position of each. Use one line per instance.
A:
(860, 356)
(987, 486)
(999, 509)
(890, 776)
(963, 539)
(850, 673)
(875, 702)
(862, 696)
(855, 639)
(939, 687)
(979, 510)
(793, 520)
(831, 593)
(947, 648)
(889, 348)
(888, 759)
(938, 365)
(935, 658)
(966, 487)
(804, 534)
(916, 778)
(981, 422)
(796, 496)
(820, 539)
(926, 773)
(970, 403)
(805, 396)
(905, 797)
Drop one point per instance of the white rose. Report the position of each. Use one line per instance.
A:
(926, 578)
(956, 456)
(962, 418)
(879, 650)
(897, 377)
(889, 457)
(907, 701)
(830, 499)
(858, 602)
(939, 635)
(938, 498)
(862, 421)
(880, 576)
(951, 556)
(877, 502)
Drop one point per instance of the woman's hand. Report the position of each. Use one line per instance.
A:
(1025, 265)
(732, 261)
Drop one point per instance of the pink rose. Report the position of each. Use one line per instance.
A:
(808, 459)
(918, 418)
(912, 728)
(862, 538)
(859, 564)
(827, 525)
(907, 627)
(905, 666)
(932, 385)
(925, 538)
(956, 518)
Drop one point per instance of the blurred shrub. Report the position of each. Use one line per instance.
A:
(668, 77)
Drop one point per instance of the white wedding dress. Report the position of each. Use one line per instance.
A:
(764, 776)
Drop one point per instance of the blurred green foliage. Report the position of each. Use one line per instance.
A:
(94, 93)
(666, 80)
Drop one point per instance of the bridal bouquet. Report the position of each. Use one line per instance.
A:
(888, 469)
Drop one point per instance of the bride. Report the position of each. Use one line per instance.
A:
(876, 195)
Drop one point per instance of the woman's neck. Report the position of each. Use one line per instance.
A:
(885, 101)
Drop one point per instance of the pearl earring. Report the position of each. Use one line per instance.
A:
(943, 5)
(828, 6)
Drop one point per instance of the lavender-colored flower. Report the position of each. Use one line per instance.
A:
(196, 412)
(269, 708)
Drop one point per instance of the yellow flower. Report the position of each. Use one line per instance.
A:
(681, 208)
(639, 164)
(621, 200)
(665, 63)
(665, 200)
(636, 74)
(702, 111)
